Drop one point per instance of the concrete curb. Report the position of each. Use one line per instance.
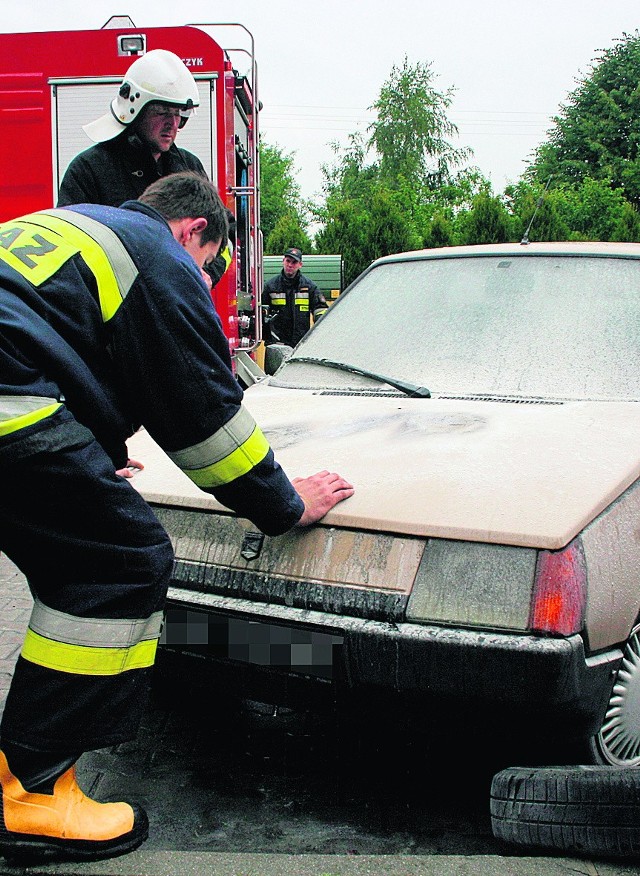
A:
(161, 863)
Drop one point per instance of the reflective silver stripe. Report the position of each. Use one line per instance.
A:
(122, 264)
(218, 446)
(91, 631)
(12, 406)
(9, 424)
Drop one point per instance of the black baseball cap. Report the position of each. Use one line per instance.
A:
(294, 253)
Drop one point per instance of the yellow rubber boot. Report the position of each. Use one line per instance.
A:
(65, 824)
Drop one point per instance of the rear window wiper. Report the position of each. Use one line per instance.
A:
(409, 389)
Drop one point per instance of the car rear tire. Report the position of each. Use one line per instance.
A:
(618, 741)
(592, 810)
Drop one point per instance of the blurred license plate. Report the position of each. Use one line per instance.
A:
(263, 644)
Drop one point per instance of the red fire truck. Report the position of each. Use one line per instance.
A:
(52, 83)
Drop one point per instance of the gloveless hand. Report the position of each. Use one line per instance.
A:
(320, 492)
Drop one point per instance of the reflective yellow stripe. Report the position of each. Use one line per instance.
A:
(226, 255)
(20, 422)
(278, 299)
(230, 452)
(94, 256)
(219, 445)
(39, 244)
(234, 465)
(32, 251)
(82, 660)
(120, 262)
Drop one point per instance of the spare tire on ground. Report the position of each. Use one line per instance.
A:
(583, 810)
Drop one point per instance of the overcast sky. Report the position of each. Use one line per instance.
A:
(321, 64)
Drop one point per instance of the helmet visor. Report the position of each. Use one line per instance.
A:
(185, 115)
(167, 110)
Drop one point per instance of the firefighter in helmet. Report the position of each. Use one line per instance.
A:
(135, 141)
(106, 324)
(290, 300)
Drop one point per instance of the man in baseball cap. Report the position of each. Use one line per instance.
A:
(291, 300)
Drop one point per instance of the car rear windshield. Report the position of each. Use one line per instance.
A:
(534, 326)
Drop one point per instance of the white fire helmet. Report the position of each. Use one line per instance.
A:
(159, 76)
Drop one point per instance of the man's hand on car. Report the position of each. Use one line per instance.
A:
(320, 492)
(130, 469)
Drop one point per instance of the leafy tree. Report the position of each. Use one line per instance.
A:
(537, 212)
(388, 229)
(411, 130)
(366, 229)
(591, 211)
(362, 217)
(346, 232)
(597, 132)
(287, 232)
(381, 194)
(445, 213)
(348, 176)
(459, 192)
(596, 211)
(347, 186)
(439, 231)
(486, 222)
(279, 191)
(627, 227)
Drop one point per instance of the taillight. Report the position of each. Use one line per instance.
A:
(559, 591)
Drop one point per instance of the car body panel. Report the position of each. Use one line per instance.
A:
(319, 554)
(505, 473)
(542, 679)
(612, 552)
(606, 249)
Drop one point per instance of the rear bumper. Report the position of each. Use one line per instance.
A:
(546, 676)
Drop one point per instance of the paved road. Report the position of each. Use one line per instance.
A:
(15, 606)
(233, 789)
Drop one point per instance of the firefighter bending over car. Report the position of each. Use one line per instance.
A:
(106, 324)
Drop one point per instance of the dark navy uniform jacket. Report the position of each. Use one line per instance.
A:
(102, 311)
(120, 170)
(291, 302)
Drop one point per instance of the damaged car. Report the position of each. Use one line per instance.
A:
(485, 403)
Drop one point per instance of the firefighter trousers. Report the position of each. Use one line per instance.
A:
(98, 564)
